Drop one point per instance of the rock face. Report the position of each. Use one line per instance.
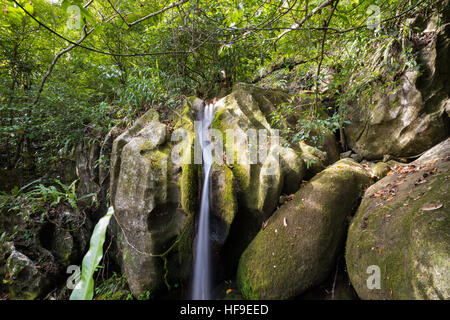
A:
(259, 177)
(86, 169)
(223, 204)
(412, 114)
(39, 250)
(26, 282)
(298, 247)
(154, 198)
(403, 227)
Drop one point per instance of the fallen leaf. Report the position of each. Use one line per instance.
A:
(429, 207)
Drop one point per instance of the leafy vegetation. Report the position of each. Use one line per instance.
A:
(124, 58)
(84, 290)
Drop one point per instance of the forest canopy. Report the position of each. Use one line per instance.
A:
(72, 69)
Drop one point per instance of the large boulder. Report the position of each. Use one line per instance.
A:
(299, 246)
(407, 113)
(255, 162)
(402, 231)
(154, 196)
(25, 280)
(260, 178)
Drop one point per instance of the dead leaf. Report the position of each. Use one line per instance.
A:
(429, 207)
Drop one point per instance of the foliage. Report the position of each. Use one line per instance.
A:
(49, 102)
(84, 290)
(113, 288)
(33, 198)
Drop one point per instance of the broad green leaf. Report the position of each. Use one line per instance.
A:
(84, 290)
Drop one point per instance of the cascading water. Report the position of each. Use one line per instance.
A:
(201, 284)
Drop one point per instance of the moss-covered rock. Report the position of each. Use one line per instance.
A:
(403, 227)
(154, 193)
(260, 179)
(24, 279)
(298, 247)
(260, 167)
(223, 203)
(406, 113)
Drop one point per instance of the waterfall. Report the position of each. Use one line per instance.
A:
(201, 285)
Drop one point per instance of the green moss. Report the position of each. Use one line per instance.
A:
(229, 202)
(247, 178)
(189, 187)
(186, 121)
(146, 147)
(224, 194)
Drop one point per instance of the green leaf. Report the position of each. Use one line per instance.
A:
(84, 290)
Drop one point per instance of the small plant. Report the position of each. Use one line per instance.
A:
(113, 288)
(144, 296)
(84, 290)
(41, 197)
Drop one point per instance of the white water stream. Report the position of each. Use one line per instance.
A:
(201, 285)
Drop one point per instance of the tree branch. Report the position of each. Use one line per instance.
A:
(307, 16)
(173, 5)
(55, 59)
(327, 23)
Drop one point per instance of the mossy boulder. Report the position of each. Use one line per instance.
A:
(299, 246)
(403, 228)
(154, 193)
(223, 203)
(406, 113)
(260, 167)
(260, 178)
(23, 277)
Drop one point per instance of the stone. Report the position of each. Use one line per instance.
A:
(24, 279)
(298, 247)
(154, 200)
(346, 154)
(260, 180)
(407, 116)
(402, 227)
